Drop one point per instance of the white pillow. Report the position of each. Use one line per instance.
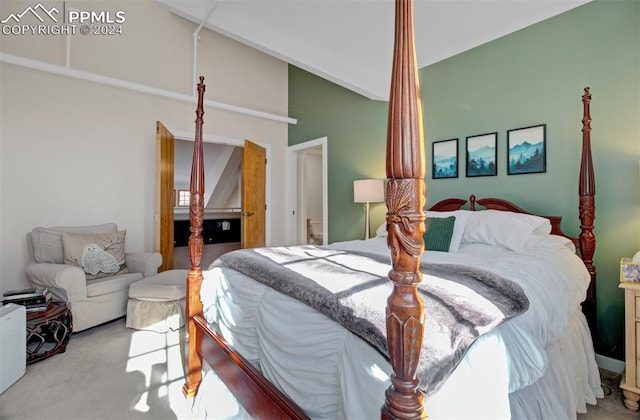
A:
(381, 232)
(503, 228)
(550, 242)
(458, 228)
(47, 242)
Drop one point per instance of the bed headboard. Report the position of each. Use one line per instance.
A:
(449, 204)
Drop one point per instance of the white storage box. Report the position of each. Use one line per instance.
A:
(13, 344)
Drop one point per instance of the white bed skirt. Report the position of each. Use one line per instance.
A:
(333, 374)
(570, 382)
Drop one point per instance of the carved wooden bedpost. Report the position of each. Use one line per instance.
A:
(405, 223)
(587, 207)
(196, 245)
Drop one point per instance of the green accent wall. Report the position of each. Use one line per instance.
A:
(356, 130)
(530, 77)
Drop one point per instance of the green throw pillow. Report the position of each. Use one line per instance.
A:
(438, 233)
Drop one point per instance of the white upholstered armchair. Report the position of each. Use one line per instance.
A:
(87, 267)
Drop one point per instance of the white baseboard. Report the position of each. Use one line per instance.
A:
(607, 363)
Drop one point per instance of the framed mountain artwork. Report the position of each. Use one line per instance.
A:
(445, 159)
(526, 150)
(481, 155)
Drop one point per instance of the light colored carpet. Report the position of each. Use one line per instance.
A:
(110, 372)
(113, 372)
(610, 407)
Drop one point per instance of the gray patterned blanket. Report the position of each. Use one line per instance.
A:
(460, 303)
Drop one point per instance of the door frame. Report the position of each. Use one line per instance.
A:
(293, 181)
(239, 142)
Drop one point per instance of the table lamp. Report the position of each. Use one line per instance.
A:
(368, 191)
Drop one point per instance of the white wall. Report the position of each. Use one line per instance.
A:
(313, 185)
(73, 152)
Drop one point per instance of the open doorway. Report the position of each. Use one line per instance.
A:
(309, 192)
(226, 217)
(221, 227)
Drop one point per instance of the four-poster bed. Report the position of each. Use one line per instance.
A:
(400, 356)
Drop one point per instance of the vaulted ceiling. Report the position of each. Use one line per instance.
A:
(350, 42)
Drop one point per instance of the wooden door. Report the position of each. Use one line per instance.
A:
(254, 167)
(165, 196)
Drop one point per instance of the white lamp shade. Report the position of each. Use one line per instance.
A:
(368, 190)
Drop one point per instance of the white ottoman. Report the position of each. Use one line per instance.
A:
(156, 303)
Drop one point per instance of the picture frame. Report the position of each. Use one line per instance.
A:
(482, 156)
(527, 150)
(444, 159)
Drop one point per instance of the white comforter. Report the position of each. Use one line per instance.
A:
(539, 365)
